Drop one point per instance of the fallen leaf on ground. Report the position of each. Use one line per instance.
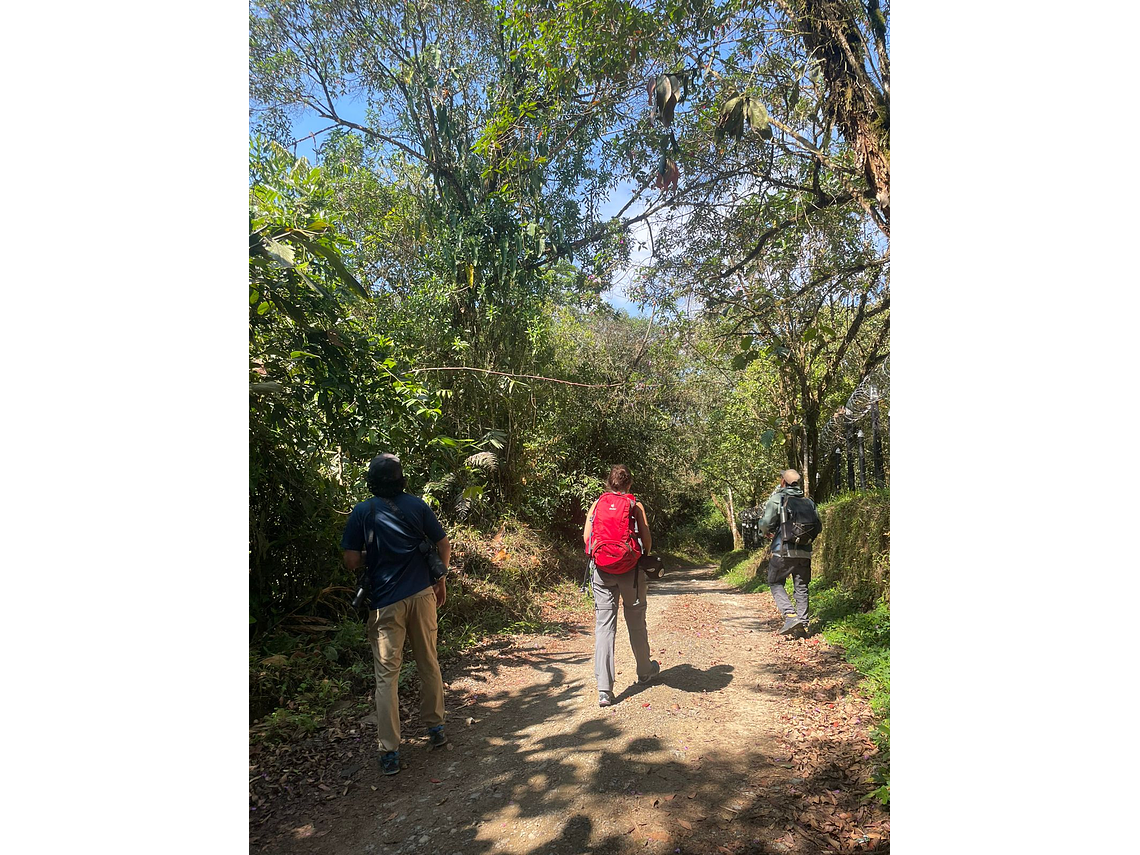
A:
(685, 824)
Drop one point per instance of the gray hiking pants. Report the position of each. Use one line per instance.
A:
(606, 588)
(779, 569)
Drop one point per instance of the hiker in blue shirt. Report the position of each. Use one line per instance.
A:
(384, 536)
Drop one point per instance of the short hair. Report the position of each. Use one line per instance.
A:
(790, 476)
(620, 479)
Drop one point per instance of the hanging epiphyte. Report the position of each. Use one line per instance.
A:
(665, 93)
(738, 109)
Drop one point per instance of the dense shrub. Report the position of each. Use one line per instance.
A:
(853, 551)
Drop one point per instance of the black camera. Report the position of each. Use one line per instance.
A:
(651, 565)
(361, 591)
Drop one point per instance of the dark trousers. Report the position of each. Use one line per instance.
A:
(779, 568)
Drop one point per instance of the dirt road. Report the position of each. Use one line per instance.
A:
(746, 743)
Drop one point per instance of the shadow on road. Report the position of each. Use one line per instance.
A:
(684, 678)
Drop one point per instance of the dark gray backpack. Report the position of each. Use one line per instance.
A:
(799, 522)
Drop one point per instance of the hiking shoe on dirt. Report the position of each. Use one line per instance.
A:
(436, 737)
(605, 699)
(390, 763)
(654, 671)
(790, 623)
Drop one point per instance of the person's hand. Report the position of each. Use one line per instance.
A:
(440, 589)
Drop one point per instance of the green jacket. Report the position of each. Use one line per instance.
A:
(771, 522)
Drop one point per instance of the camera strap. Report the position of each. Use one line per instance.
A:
(396, 510)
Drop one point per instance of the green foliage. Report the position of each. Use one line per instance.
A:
(741, 567)
(296, 678)
(699, 536)
(323, 389)
(853, 550)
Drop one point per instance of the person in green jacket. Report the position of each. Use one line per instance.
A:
(787, 560)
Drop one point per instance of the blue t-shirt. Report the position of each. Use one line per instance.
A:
(396, 567)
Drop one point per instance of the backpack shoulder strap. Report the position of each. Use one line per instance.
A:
(369, 512)
(396, 510)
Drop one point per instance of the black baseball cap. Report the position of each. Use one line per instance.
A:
(385, 467)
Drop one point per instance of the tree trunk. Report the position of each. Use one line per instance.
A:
(737, 540)
(726, 510)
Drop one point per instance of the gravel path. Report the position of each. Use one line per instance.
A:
(746, 743)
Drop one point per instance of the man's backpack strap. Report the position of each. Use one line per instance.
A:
(427, 546)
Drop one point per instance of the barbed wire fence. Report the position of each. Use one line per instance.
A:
(864, 417)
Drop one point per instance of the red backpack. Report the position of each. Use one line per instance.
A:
(613, 545)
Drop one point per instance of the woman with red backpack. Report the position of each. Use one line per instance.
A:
(616, 536)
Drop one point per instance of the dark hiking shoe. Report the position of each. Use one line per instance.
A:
(605, 699)
(436, 737)
(790, 623)
(390, 763)
(654, 671)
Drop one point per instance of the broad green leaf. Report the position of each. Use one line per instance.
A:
(334, 259)
(741, 360)
(281, 253)
(263, 308)
(322, 291)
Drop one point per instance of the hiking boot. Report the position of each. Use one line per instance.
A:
(436, 737)
(790, 623)
(605, 699)
(390, 763)
(654, 671)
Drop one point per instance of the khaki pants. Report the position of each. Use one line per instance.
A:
(414, 618)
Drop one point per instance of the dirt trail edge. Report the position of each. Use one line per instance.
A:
(746, 743)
